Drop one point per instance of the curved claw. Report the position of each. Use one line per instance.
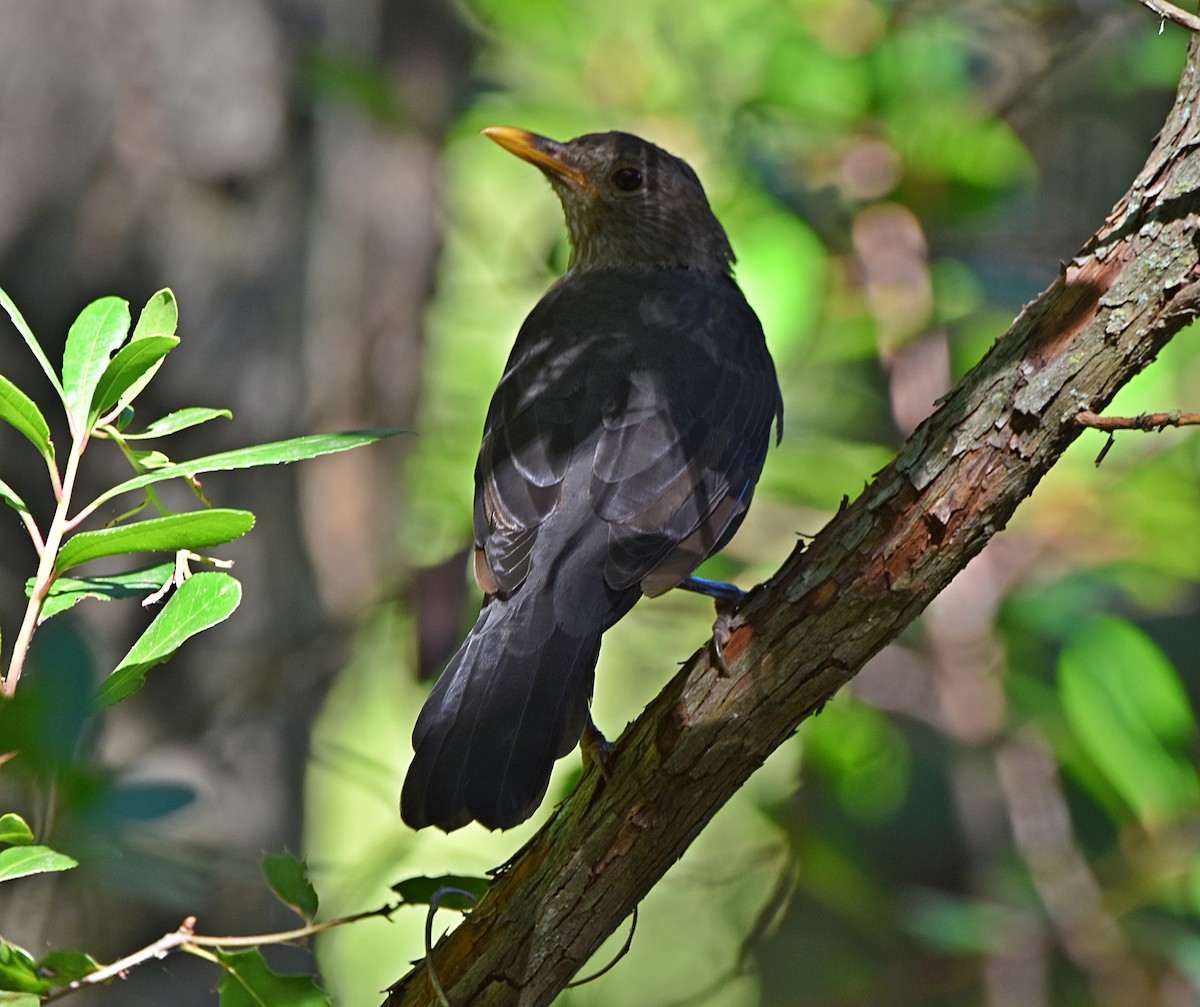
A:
(721, 634)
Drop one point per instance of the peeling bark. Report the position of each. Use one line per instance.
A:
(832, 606)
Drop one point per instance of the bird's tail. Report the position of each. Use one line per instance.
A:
(512, 700)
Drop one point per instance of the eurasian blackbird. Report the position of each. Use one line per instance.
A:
(621, 449)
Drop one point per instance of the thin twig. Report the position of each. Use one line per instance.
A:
(1146, 421)
(186, 939)
(159, 949)
(616, 958)
(1170, 12)
(430, 970)
(288, 936)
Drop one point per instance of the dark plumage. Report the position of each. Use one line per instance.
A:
(621, 449)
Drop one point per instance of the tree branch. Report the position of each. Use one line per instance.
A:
(1169, 12)
(830, 608)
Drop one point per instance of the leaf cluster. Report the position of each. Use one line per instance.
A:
(105, 367)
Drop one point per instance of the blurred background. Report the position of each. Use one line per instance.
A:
(1003, 809)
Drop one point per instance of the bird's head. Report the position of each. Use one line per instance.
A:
(628, 203)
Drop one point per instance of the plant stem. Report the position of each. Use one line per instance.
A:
(35, 534)
(45, 571)
(52, 468)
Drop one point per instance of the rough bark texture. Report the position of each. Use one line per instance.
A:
(831, 607)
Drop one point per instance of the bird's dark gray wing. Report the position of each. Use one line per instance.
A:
(536, 423)
(682, 448)
(525, 451)
(672, 413)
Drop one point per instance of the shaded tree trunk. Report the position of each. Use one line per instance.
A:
(834, 605)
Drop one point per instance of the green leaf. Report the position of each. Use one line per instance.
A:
(9, 999)
(201, 602)
(9, 496)
(160, 316)
(46, 721)
(194, 530)
(19, 410)
(179, 420)
(100, 328)
(66, 592)
(31, 341)
(63, 967)
(957, 925)
(249, 983)
(865, 756)
(18, 975)
(21, 861)
(288, 878)
(15, 830)
(139, 802)
(132, 362)
(420, 891)
(1131, 715)
(276, 453)
(150, 459)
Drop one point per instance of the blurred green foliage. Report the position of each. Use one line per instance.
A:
(1004, 808)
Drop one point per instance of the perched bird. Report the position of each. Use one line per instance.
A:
(620, 450)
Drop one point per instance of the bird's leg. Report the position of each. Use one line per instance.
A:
(597, 750)
(726, 598)
(721, 593)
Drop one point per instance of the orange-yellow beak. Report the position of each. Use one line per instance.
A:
(540, 151)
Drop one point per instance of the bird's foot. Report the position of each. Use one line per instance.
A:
(597, 750)
(726, 598)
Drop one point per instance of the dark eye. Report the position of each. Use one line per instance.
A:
(627, 179)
